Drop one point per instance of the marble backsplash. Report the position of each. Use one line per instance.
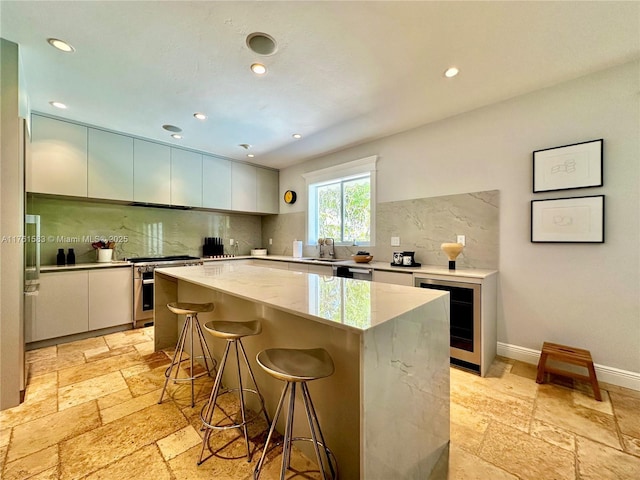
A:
(422, 224)
(138, 231)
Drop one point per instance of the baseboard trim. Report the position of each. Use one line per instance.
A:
(614, 376)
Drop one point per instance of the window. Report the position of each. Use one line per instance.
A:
(342, 203)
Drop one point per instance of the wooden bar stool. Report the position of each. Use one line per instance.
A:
(190, 326)
(232, 332)
(575, 356)
(298, 366)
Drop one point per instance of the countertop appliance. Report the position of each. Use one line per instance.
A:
(143, 282)
(358, 273)
(465, 348)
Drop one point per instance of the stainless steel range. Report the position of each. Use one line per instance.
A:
(143, 281)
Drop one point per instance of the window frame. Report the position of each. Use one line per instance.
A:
(340, 173)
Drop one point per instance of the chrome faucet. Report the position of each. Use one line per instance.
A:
(332, 253)
(325, 241)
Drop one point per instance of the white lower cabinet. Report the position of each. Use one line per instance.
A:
(298, 267)
(321, 269)
(397, 278)
(110, 297)
(270, 264)
(73, 302)
(62, 306)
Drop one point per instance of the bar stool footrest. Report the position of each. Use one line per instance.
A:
(327, 450)
(188, 379)
(206, 424)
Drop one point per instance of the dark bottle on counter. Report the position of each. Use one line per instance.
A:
(71, 257)
(60, 257)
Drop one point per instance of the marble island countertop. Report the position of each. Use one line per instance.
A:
(342, 302)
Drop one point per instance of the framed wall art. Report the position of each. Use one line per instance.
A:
(568, 220)
(572, 166)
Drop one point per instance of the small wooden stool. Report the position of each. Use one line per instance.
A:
(576, 356)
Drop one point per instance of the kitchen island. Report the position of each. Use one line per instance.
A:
(385, 411)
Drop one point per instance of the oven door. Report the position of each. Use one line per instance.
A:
(143, 297)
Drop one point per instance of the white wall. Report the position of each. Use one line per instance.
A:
(585, 295)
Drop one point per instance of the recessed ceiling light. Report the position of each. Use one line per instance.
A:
(258, 69)
(261, 43)
(58, 105)
(172, 128)
(451, 72)
(200, 116)
(177, 136)
(250, 155)
(296, 136)
(60, 45)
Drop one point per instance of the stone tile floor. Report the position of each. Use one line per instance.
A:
(91, 412)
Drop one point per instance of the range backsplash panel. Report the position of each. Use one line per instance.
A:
(422, 224)
(138, 231)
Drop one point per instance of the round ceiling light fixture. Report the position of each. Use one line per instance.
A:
(261, 43)
(451, 72)
(250, 155)
(60, 105)
(172, 128)
(296, 136)
(200, 116)
(60, 45)
(177, 136)
(258, 69)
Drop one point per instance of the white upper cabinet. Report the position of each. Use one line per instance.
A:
(216, 183)
(151, 172)
(110, 165)
(267, 184)
(254, 189)
(243, 187)
(74, 160)
(186, 178)
(57, 163)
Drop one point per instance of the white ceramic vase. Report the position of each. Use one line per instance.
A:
(105, 255)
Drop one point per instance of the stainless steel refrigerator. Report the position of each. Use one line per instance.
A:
(31, 285)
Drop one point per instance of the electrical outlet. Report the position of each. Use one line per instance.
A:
(395, 241)
(231, 241)
(271, 241)
(461, 239)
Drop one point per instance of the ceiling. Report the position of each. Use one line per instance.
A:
(343, 73)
